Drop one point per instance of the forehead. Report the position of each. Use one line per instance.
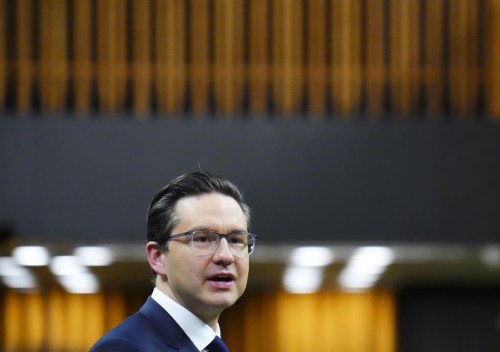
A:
(212, 210)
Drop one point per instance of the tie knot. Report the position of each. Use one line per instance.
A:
(217, 345)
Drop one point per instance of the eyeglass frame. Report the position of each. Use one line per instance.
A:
(220, 236)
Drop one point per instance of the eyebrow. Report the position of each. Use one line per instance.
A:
(204, 228)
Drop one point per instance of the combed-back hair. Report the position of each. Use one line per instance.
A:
(162, 217)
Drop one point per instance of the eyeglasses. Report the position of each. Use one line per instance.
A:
(204, 242)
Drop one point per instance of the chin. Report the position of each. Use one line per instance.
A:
(223, 300)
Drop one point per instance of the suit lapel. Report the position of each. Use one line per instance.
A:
(166, 327)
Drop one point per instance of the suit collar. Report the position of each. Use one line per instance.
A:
(166, 327)
(198, 331)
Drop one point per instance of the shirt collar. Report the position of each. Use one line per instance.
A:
(198, 332)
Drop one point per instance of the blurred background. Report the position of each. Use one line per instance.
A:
(364, 134)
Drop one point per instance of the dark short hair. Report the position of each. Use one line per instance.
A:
(162, 217)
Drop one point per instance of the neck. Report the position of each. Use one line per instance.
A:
(208, 315)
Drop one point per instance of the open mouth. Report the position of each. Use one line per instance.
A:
(222, 278)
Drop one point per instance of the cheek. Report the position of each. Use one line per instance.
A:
(176, 268)
(242, 282)
(243, 268)
(185, 268)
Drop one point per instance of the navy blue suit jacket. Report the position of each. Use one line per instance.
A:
(151, 329)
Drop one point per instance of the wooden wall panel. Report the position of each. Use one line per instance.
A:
(316, 56)
(200, 44)
(255, 316)
(170, 62)
(57, 325)
(287, 46)
(3, 52)
(75, 317)
(229, 44)
(95, 317)
(492, 71)
(346, 55)
(115, 309)
(112, 73)
(13, 322)
(322, 57)
(325, 321)
(82, 67)
(258, 55)
(34, 327)
(53, 63)
(433, 74)
(384, 338)
(140, 65)
(404, 55)
(375, 47)
(24, 55)
(274, 321)
(463, 56)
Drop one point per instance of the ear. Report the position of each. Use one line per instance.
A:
(154, 254)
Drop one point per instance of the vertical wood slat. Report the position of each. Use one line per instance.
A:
(23, 56)
(316, 52)
(277, 52)
(405, 78)
(463, 72)
(346, 55)
(23, 334)
(3, 56)
(492, 71)
(342, 307)
(463, 53)
(287, 46)
(384, 338)
(258, 55)
(82, 66)
(141, 56)
(200, 67)
(326, 304)
(433, 67)
(56, 322)
(94, 325)
(34, 328)
(53, 54)
(170, 59)
(376, 69)
(228, 55)
(13, 321)
(306, 311)
(74, 313)
(266, 322)
(325, 321)
(115, 310)
(348, 332)
(359, 331)
(111, 54)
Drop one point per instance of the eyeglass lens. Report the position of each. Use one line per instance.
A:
(205, 242)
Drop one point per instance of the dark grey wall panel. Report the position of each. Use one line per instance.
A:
(92, 179)
(458, 319)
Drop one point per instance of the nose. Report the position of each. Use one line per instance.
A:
(223, 253)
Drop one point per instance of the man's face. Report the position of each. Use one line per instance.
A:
(192, 280)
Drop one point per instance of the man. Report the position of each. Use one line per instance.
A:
(198, 248)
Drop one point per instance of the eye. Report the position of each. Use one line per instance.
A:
(204, 237)
(237, 238)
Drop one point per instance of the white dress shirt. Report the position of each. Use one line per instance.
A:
(198, 332)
